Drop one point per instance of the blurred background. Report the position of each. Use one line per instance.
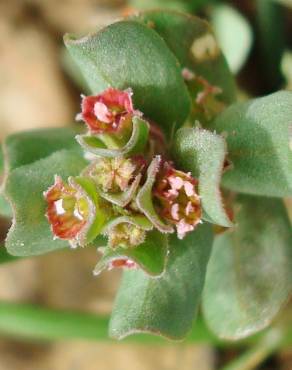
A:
(40, 87)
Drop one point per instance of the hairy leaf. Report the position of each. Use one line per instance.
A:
(193, 43)
(258, 135)
(167, 305)
(203, 153)
(150, 256)
(249, 275)
(26, 147)
(30, 233)
(128, 54)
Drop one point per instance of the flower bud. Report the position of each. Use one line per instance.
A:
(177, 199)
(69, 211)
(115, 174)
(106, 113)
(126, 235)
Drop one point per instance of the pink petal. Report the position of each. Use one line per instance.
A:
(189, 188)
(102, 113)
(174, 211)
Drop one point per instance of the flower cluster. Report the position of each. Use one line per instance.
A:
(117, 195)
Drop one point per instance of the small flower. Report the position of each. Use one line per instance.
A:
(106, 113)
(115, 174)
(177, 199)
(126, 235)
(68, 211)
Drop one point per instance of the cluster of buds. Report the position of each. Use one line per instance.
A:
(107, 188)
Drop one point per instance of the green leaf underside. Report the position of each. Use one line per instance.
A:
(249, 275)
(258, 134)
(128, 54)
(150, 255)
(135, 145)
(203, 152)
(29, 146)
(181, 32)
(166, 305)
(30, 233)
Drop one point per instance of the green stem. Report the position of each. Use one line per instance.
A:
(35, 322)
(257, 354)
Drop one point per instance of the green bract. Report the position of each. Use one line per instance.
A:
(98, 144)
(184, 115)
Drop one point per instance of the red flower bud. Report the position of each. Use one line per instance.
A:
(106, 112)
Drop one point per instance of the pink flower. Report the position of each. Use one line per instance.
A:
(67, 210)
(105, 113)
(178, 201)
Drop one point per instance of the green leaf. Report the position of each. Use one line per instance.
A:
(150, 256)
(249, 275)
(203, 153)
(26, 147)
(192, 42)
(135, 145)
(73, 72)
(167, 305)
(258, 134)
(30, 233)
(128, 54)
(234, 34)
